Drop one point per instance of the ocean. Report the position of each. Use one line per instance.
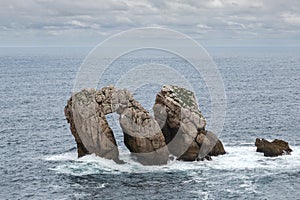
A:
(38, 151)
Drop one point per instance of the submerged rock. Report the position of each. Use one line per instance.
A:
(183, 125)
(272, 149)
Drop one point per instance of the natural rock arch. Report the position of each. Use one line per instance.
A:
(86, 112)
(178, 127)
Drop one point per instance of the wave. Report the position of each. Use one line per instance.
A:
(237, 158)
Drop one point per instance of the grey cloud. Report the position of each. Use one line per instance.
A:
(223, 19)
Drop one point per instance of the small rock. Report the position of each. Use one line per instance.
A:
(272, 149)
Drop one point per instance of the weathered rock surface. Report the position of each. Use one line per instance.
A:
(212, 145)
(81, 150)
(274, 148)
(183, 125)
(86, 112)
(89, 126)
(142, 134)
(178, 126)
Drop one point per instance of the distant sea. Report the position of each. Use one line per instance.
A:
(38, 152)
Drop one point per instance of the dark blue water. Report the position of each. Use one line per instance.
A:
(38, 152)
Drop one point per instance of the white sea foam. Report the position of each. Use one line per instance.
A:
(62, 157)
(237, 158)
(246, 157)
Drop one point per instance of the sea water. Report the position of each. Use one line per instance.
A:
(38, 152)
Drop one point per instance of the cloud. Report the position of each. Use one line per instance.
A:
(291, 18)
(221, 19)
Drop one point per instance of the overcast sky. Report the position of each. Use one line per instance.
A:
(88, 22)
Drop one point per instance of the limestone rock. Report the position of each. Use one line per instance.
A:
(178, 126)
(210, 144)
(272, 149)
(183, 125)
(81, 150)
(218, 148)
(86, 112)
(89, 126)
(142, 134)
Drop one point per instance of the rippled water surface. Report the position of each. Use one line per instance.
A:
(38, 152)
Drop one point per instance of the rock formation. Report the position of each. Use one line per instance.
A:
(86, 112)
(89, 126)
(142, 134)
(272, 149)
(177, 113)
(178, 126)
(215, 147)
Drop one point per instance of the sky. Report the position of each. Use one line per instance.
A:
(88, 22)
